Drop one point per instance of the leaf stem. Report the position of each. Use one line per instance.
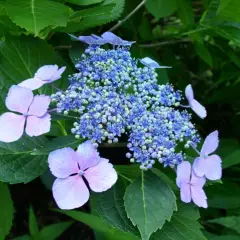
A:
(127, 17)
(62, 128)
(160, 44)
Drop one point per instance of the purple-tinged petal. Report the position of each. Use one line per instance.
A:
(197, 181)
(87, 155)
(63, 162)
(151, 63)
(46, 72)
(11, 127)
(210, 144)
(199, 166)
(58, 74)
(92, 40)
(189, 93)
(183, 173)
(39, 105)
(185, 193)
(32, 83)
(19, 99)
(37, 126)
(102, 176)
(113, 39)
(70, 193)
(214, 167)
(199, 197)
(198, 108)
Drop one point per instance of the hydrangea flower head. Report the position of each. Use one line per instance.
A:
(45, 74)
(191, 186)
(70, 167)
(33, 114)
(209, 166)
(198, 108)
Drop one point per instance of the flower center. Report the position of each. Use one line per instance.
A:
(81, 173)
(205, 156)
(25, 115)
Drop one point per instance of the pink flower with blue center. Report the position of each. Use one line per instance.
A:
(33, 116)
(73, 169)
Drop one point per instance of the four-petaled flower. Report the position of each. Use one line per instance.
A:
(147, 61)
(191, 186)
(33, 111)
(45, 74)
(209, 166)
(198, 108)
(73, 168)
(113, 39)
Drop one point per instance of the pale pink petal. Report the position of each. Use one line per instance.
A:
(210, 144)
(199, 197)
(70, 193)
(102, 176)
(63, 162)
(58, 74)
(200, 166)
(189, 93)
(46, 72)
(11, 127)
(197, 181)
(198, 108)
(37, 126)
(87, 155)
(185, 193)
(39, 105)
(183, 173)
(32, 83)
(19, 99)
(214, 167)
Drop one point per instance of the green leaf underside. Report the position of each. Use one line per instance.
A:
(7, 211)
(149, 202)
(183, 225)
(109, 206)
(35, 15)
(16, 163)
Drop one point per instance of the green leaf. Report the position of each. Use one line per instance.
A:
(128, 172)
(224, 237)
(185, 12)
(118, 9)
(228, 222)
(88, 18)
(76, 51)
(57, 143)
(99, 225)
(6, 209)
(109, 206)
(183, 225)
(229, 10)
(23, 237)
(53, 231)
(7, 26)
(35, 15)
(203, 53)
(84, 2)
(149, 202)
(16, 163)
(33, 225)
(161, 8)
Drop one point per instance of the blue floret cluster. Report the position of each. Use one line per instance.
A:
(118, 96)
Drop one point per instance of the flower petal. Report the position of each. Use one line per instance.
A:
(39, 105)
(102, 176)
(198, 108)
(113, 39)
(32, 83)
(87, 155)
(151, 63)
(197, 181)
(37, 126)
(210, 144)
(58, 74)
(46, 72)
(63, 162)
(70, 193)
(214, 168)
(189, 93)
(199, 166)
(19, 99)
(11, 127)
(199, 197)
(185, 193)
(183, 173)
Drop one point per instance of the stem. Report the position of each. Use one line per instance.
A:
(184, 106)
(52, 110)
(58, 114)
(63, 47)
(127, 17)
(160, 44)
(195, 149)
(56, 88)
(62, 128)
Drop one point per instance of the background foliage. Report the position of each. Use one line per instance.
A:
(200, 39)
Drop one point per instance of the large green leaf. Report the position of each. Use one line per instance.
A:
(33, 225)
(149, 202)
(7, 26)
(229, 222)
(185, 12)
(17, 165)
(109, 206)
(35, 15)
(161, 8)
(229, 10)
(84, 2)
(183, 225)
(6, 209)
(203, 52)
